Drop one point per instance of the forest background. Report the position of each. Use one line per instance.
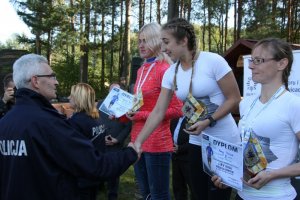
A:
(94, 41)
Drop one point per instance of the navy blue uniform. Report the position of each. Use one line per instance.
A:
(42, 156)
(95, 132)
(92, 129)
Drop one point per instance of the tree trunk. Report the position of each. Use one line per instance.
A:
(289, 22)
(126, 65)
(209, 18)
(204, 28)
(150, 12)
(274, 9)
(173, 9)
(141, 13)
(102, 52)
(49, 41)
(84, 59)
(112, 41)
(189, 8)
(38, 44)
(226, 25)
(239, 22)
(235, 20)
(73, 30)
(181, 8)
(158, 17)
(121, 49)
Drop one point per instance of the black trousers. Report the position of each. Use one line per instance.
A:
(201, 186)
(180, 178)
(113, 187)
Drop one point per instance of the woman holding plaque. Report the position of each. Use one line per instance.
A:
(273, 117)
(197, 78)
(153, 168)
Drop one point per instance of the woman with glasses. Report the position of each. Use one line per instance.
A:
(206, 77)
(273, 117)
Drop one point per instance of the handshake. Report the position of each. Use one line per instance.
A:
(137, 147)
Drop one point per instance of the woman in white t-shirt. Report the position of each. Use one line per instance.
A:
(274, 118)
(208, 78)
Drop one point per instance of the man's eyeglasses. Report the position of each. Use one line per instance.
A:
(52, 76)
(257, 61)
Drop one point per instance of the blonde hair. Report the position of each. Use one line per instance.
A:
(151, 32)
(84, 99)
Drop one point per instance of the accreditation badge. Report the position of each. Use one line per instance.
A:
(138, 101)
(193, 110)
(254, 158)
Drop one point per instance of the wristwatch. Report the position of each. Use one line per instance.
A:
(212, 121)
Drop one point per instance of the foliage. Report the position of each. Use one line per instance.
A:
(70, 33)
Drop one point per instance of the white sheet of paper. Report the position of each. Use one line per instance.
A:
(223, 159)
(117, 103)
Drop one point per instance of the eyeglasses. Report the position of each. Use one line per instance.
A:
(52, 76)
(257, 61)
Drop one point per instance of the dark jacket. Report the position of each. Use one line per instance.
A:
(182, 140)
(115, 128)
(42, 155)
(5, 107)
(91, 128)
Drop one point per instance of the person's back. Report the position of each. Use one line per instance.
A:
(41, 154)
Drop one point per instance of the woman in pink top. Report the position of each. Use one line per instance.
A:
(153, 169)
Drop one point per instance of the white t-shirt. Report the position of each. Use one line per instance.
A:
(276, 126)
(208, 69)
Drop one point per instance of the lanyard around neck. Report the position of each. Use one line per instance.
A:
(274, 96)
(140, 84)
(246, 133)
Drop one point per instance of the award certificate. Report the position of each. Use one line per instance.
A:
(117, 103)
(223, 159)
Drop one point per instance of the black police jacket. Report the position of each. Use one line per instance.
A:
(42, 156)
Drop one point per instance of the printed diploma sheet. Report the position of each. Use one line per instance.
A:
(117, 103)
(223, 159)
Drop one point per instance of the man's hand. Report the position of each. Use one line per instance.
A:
(135, 148)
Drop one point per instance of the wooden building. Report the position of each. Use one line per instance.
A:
(234, 57)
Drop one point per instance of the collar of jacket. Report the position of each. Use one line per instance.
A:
(28, 96)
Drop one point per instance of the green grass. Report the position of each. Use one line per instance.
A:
(127, 187)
